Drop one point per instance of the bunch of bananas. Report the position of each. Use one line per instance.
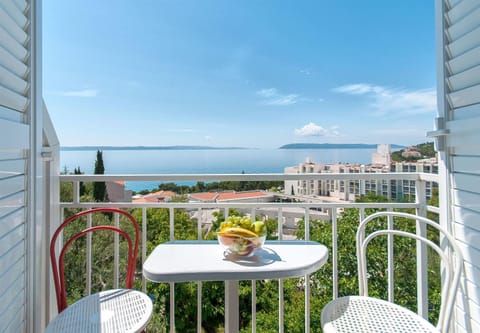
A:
(236, 232)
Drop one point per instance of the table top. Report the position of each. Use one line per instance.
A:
(116, 310)
(181, 261)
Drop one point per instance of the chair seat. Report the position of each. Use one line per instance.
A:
(117, 310)
(368, 314)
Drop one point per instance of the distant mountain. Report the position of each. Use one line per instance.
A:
(334, 146)
(81, 148)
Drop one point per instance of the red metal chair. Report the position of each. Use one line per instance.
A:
(141, 307)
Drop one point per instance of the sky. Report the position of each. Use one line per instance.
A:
(248, 73)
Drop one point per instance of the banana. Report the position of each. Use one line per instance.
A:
(237, 232)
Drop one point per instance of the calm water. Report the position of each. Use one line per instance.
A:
(205, 161)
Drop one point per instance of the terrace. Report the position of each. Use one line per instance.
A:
(252, 322)
(31, 208)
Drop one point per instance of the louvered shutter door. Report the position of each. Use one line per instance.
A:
(14, 143)
(458, 24)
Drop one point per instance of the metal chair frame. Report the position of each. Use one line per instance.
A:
(450, 255)
(59, 269)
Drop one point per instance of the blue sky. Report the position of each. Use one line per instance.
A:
(239, 73)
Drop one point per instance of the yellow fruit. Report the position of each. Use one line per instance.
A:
(237, 232)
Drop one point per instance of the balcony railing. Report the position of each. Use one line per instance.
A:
(309, 208)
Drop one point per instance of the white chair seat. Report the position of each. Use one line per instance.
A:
(117, 310)
(368, 314)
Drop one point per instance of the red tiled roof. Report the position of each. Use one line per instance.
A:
(205, 196)
(240, 195)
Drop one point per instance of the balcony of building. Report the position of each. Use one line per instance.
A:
(284, 305)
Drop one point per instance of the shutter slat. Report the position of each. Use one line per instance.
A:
(465, 43)
(15, 253)
(11, 293)
(14, 65)
(12, 185)
(12, 82)
(16, 11)
(12, 27)
(13, 100)
(467, 164)
(465, 25)
(11, 168)
(464, 79)
(11, 221)
(11, 45)
(22, 5)
(461, 10)
(466, 182)
(464, 134)
(11, 238)
(14, 272)
(465, 61)
(12, 205)
(17, 132)
(464, 97)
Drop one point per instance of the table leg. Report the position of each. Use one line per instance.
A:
(231, 306)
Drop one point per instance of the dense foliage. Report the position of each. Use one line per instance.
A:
(219, 186)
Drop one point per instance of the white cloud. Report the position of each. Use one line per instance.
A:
(386, 100)
(305, 71)
(272, 97)
(80, 93)
(312, 129)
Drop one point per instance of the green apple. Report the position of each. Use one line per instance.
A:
(259, 228)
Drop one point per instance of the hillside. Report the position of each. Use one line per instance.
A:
(426, 150)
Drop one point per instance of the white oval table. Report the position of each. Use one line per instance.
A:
(182, 261)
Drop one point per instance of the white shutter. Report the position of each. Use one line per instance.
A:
(14, 156)
(458, 39)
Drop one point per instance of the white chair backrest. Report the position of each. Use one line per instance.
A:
(448, 251)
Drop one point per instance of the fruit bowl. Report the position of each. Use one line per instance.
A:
(241, 246)
(240, 236)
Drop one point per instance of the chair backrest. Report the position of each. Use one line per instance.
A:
(448, 251)
(58, 267)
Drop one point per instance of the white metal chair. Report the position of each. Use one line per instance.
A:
(368, 314)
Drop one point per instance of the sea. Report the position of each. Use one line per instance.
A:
(208, 161)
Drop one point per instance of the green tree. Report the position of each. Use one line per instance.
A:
(99, 188)
(82, 190)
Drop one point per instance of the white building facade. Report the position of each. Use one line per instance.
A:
(349, 190)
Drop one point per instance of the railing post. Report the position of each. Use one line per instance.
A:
(422, 283)
(334, 212)
(144, 245)
(76, 192)
(232, 314)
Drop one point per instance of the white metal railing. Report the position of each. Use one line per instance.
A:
(334, 209)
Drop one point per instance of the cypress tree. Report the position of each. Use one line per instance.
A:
(99, 188)
(77, 171)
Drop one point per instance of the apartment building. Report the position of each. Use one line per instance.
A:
(348, 190)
